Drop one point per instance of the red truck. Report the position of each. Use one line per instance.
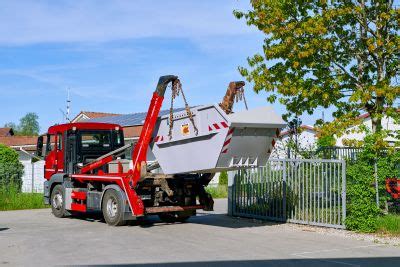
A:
(85, 168)
(78, 177)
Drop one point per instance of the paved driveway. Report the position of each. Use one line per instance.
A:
(35, 237)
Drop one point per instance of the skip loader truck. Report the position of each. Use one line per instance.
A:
(86, 169)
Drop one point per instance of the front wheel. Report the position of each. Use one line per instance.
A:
(57, 201)
(112, 208)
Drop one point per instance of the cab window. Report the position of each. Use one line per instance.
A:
(59, 141)
(50, 143)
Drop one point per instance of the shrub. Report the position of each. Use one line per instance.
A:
(362, 210)
(223, 178)
(11, 169)
(220, 191)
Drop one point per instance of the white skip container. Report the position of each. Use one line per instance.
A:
(222, 142)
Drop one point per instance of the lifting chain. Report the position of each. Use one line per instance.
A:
(176, 90)
(240, 96)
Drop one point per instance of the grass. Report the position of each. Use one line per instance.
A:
(219, 191)
(389, 225)
(12, 199)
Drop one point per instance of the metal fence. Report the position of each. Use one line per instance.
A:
(27, 176)
(345, 153)
(294, 190)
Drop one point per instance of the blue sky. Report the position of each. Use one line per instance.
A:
(111, 53)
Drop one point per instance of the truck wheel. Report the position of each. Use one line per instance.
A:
(112, 208)
(57, 201)
(173, 217)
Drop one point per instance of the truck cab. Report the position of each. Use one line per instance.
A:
(68, 147)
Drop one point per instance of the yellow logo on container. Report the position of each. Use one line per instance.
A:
(185, 129)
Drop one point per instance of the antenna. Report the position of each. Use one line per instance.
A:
(68, 106)
(63, 114)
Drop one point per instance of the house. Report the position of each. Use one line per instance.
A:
(32, 177)
(87, 115)
(24, 145)
(353, 132)
(27, 143)
(6, 131)
(306, 139)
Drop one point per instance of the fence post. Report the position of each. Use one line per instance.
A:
(376, 182)
(231, 184)
(33, 176)
(284, 190)
(344, 192)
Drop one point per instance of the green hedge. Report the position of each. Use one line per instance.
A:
(11, 169)
(362, 211)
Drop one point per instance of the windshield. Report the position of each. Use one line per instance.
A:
(97, 140)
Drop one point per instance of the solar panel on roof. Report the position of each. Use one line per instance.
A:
(129, 119)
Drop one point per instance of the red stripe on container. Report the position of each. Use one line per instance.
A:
(226, 150)
(227, 142)
(224, 124)
(216, 126)
(209, 128)
(231, 131)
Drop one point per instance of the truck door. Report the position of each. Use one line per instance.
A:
(60, 153)
(50, 157)
(54, 155)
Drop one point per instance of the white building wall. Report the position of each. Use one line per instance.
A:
(355, 134)
(306, 139)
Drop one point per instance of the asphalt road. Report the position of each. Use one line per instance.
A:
(36, 237)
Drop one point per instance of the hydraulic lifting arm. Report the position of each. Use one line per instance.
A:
(128, 181)
(140, 151)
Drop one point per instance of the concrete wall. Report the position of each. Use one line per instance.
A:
(33, 177)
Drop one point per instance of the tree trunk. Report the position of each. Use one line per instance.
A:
(376, 123)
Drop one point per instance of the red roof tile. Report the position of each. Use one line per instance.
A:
(16, 141)
(6, 131)
(93, 114)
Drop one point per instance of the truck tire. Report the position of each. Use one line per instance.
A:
(57, 201)
(173, 217)
(112, 208)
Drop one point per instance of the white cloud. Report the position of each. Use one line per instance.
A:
(30, 22)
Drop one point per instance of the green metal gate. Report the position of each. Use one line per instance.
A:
(291, 190)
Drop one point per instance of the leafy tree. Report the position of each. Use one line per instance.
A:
(29, 125)
(341, 53)
(11, 125)
(326, 141)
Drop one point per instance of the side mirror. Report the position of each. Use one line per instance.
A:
(39, 147)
